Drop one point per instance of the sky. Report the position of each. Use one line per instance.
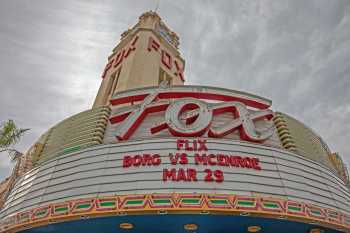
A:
(296, 53)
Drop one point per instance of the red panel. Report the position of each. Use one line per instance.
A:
(152, 44)
(167, 59)
(180, 71)
(119, 118)
(119, 58)
(131, 47)
(108, 66)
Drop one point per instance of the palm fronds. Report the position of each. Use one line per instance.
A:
(10, 134)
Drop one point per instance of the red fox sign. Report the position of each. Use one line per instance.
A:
(187, 114)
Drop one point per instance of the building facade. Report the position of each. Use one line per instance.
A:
(156, 155)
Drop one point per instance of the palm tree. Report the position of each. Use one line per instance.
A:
(10, 134)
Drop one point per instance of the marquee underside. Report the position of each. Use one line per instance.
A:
(175, 223)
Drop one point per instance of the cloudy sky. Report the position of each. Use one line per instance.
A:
(296, 53)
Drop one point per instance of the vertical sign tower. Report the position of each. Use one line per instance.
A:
(146, 55)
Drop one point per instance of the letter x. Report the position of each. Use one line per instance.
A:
(243, 120)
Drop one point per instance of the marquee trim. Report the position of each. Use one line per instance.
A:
(176, 203)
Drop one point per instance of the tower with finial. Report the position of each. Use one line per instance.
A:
(146, 55)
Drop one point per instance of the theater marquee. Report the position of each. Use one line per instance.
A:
(192, 114)
(190, 156)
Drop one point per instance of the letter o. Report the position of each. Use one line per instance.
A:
(137, 160)
(195, 125)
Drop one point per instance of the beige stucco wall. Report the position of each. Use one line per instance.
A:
(142, 66)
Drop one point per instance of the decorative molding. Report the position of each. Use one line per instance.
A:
(77, 132)
(176, 203)
(283, 132)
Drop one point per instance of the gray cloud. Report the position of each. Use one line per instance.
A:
(296, 53)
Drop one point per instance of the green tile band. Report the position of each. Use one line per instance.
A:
(270, 205)
(162, 201)
(61, 209)
(245, 203)
(218, 201)
(83, 206)
(191, 201)
(108, 204)
(316, 212)
(41, 213)
(134, 202)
